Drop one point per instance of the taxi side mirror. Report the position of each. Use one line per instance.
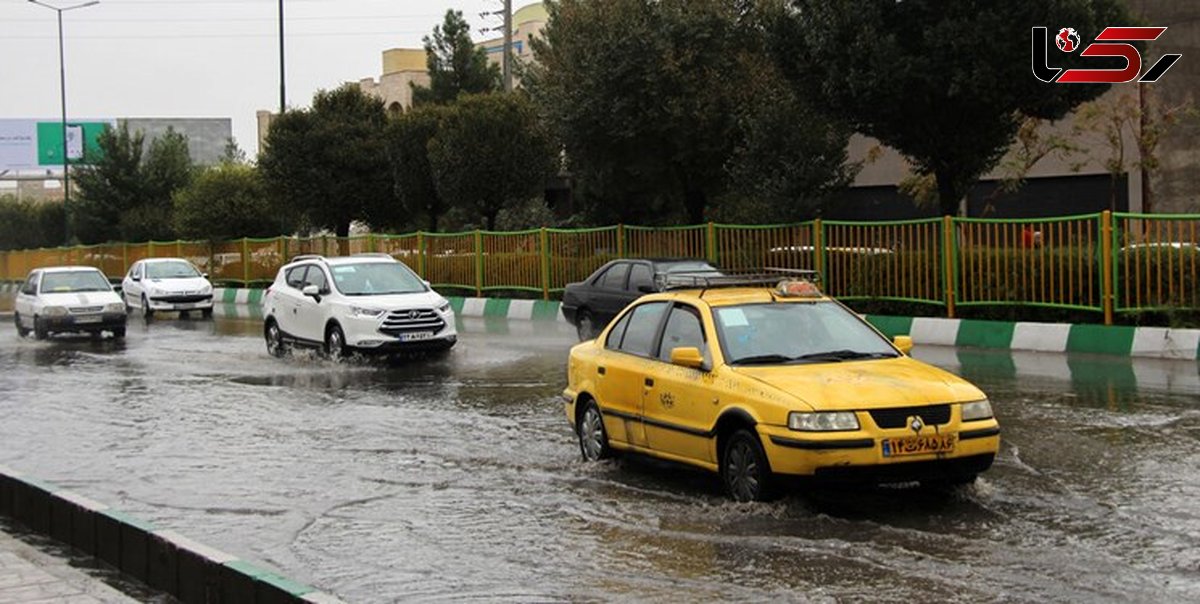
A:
(904, 343)
(687, 356)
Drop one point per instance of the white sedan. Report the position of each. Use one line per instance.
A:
(68, 299)
(167, 284)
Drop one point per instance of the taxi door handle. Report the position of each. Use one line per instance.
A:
(649, 382)
(600, 370)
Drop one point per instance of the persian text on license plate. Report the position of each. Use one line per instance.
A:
(417, 335)
(92, 319)
(919, 445)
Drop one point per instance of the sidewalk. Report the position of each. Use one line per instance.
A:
(29, 574)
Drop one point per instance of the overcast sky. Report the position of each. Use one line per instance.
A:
(203, 58)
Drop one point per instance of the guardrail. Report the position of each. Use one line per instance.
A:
(1107, 262)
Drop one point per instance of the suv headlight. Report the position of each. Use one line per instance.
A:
(835, 421)
(445, 307)
(114, 307)
(371, 313)
(55, 311)
(976, 411)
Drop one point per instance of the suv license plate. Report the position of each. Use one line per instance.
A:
(919, 445)
(417, 335)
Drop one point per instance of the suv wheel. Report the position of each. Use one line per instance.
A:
(335, 342)
(593, 439)
(585, 327)
(744, 468)
(274, 336)
(22, 331)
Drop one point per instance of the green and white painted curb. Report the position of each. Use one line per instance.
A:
(163, 559)
(525, 310)
(1120, 340)
(9, 288)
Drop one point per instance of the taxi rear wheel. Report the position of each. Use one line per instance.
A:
(745, 470)
(593, 439)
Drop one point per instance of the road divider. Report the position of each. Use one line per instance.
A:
(1120, 340)
(163, 559)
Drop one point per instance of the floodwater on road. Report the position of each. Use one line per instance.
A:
(458, 478)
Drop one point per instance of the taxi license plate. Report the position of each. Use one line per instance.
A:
(919, 445)
(418, 335)
(84, 320)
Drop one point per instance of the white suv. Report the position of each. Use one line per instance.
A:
(367, 303)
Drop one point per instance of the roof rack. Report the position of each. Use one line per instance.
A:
(307, 257)
(374, 255)
(722, 278)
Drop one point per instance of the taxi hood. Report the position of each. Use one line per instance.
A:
(865, 384)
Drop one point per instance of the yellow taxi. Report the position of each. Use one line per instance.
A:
(763, 377)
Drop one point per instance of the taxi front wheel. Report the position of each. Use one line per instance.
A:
(593, 439)
(745, 470)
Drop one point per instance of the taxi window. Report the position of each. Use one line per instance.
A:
(613, 342)
(643, 326)
(640, 275)
(683, 329)
(295, 276)
(614, 277)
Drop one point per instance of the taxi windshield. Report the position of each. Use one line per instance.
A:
(67, 282)
(376, 279)
(796, 332)
(171, 270)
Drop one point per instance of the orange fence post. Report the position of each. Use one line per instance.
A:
(421, 254)
(948, 259)
(818, 238)
(620, 241)
(125, 257)
(1106, 263)
(711, 243)
(478, 263)
(178, 248)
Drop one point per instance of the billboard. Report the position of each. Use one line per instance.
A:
(38, 144)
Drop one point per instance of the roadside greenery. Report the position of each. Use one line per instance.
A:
(456, 66)
(28, 224)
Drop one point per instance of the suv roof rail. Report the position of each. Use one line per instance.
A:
(374, 255)
(307, 257)
(722, 278)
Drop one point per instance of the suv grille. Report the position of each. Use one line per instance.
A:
(932, 415)
(408, 321)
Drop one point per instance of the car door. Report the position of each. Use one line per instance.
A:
(680, 405)
(286, 300)
(311, 314)
(131, 286)
(623, 372)
(609, 295)
(26, 298)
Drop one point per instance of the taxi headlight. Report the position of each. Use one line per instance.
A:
(976, 411)
(370, 313)
(114, 307)
(836, 421)
(55, 311)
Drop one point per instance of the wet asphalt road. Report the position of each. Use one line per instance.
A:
(459, 479)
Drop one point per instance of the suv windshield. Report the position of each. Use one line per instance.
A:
(796, 332)
(171, 270)
(74, 281)
(375, 279)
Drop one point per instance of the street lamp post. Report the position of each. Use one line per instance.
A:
(62, 87)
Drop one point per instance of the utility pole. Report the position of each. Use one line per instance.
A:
(282, 87)
(508, 45)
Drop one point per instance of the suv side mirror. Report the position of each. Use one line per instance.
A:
(203, 275)
(313, 292)
(904, 343)
(687, 356)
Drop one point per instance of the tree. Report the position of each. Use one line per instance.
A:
(226, 201)
(945, 83)
(26, 224)
(490, 153)
(408, 138)
(126, 194)
(642, 94)
(328, 165)
(456, 65)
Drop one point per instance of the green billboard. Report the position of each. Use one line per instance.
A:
(81, 142)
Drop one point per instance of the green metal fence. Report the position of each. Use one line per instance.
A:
(1107, 263)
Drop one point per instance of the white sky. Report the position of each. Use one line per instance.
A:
(204, 58)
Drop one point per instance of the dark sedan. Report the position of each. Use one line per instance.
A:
(590, 304)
